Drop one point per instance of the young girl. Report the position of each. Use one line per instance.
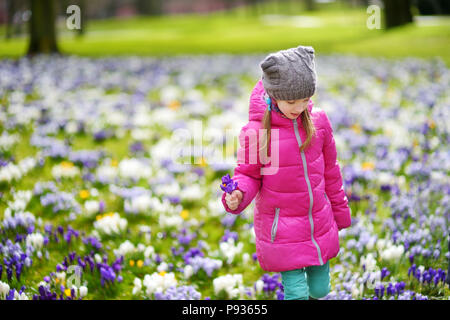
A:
(300, 203)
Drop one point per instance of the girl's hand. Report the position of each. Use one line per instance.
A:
(234, 199)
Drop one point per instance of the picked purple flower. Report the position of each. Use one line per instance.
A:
(228, 185)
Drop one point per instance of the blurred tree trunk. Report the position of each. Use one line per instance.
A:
(111, 9)
(42, 27)
(365, 3)
(10, 10)
(229, 4)
(253, 6)
(149, 7)
(83, 9)
(397, 13)
(310, 5)
(427, 7)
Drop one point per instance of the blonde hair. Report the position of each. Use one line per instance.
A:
(306, 122)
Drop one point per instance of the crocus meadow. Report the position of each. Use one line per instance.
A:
(103, 194)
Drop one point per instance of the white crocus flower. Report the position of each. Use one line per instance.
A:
(98, 258)
(369, 262)
(137, 286)
(111, 224)
(188, 271)
(83, 290)
(163, 267)
(64, 171)
(392, 252)
(92, 207)
(36, 240)
(134, 169)
(4, 289)
(166, 221)
(158, 282)
(229, 250)
(149, 251)
(259, 286)
(229, 283)
(106, 173)
(125, 248)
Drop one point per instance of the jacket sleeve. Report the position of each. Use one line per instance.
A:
(333, 179)
(248, 170)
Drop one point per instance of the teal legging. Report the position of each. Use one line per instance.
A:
(316, 285)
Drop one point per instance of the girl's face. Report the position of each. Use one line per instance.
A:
(293, 108)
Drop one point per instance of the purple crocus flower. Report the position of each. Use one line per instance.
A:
(136, 147)
(229, 234)
(102, 135)
(280, 294)
(193, 252)
(390, 290)
(18, 270)
(228, 185)
(101, 206)
(384, 273)
(228, 220)
(9, 273)
(271, 283)
(379, 290)
(412, 270)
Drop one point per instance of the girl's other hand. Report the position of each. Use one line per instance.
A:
(234, 199)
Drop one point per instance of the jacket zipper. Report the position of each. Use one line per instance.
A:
(275, 224)
(311, 222)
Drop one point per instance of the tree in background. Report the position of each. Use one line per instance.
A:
(428, 7)
(83, 9)
(42, 27)
(10, 10)
(149, 7)
(397, 13)
(17, 14)
(310, 5)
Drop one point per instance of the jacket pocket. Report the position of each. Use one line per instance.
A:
(326, 198)
(275, 225)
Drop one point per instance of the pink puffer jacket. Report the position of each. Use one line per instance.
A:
(300, 208)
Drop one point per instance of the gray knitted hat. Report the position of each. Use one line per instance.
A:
(290, 74)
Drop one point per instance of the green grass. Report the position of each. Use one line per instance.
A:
(338, 30)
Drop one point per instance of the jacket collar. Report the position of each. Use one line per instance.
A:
(258, 106)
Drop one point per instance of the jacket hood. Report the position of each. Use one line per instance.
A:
(258, 106)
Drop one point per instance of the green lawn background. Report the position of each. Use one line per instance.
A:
(336, 30)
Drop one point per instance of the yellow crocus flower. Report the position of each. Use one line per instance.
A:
(432, 124)
(368, 165)
(184, 214)
(174, 104)
(66, 164)
(84, 194)
(203, 162)
(356, 127)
